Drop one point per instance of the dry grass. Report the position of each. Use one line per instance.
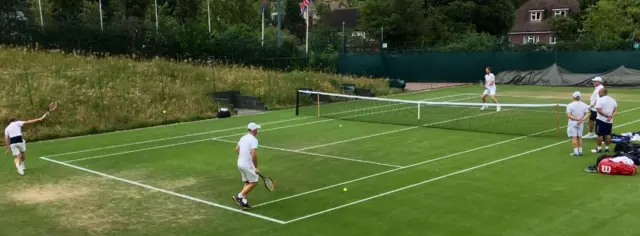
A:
(99, 95)
(98, 205)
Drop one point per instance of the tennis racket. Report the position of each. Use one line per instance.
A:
(52, 107)
(268, 182)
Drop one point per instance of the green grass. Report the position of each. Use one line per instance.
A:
(419, 181)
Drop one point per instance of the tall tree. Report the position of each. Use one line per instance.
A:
(402, 20)
(494, 17)
(611, 20)
(292, 19)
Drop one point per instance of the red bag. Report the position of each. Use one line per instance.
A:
(609, 167)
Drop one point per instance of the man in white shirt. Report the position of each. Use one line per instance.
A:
(247, 150)
(597, 83)
(577, 112)
(489, 88)
(607, 108)
(15, 142)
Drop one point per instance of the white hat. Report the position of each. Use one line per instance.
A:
(597, 79)
(253, 126)
(576, 94)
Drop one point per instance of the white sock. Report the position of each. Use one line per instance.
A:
(575, 150)
(598, 147)
(607, 147)
(240, 195)
(579, 150)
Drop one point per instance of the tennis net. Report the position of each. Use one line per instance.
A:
(512, 119)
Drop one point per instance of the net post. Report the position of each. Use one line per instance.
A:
(558, 119)
(297, 102)
(419, 104)
(318, 104)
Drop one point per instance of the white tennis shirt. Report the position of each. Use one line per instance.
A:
(607, 104)
(246, 143)
(490, 78)
(14, 129)
(577, 110)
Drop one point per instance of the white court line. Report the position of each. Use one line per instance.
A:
(316, 154)
(166, 191)
(439, 178)
(169, 138)
(207, 139)
(394, 131)
(230, 129)
(417, 164)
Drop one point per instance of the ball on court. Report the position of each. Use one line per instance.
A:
(164, 112)
(340, 126)
(344, 189)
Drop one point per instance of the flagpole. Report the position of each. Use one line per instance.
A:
(209, 14)
(262, 41)
(306, 48)
(101, 24)
(40, 9)
(155, 4)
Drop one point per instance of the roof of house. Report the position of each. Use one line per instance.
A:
(522, 21)
(349, 16)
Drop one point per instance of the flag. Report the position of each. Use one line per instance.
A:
(304, 5)
(262, 6)
(303, 8)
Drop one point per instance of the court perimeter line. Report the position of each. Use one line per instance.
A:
(166, 191)
(316, 154)
(417, 164)
(439, 178)
(207, 139)
(230, 129)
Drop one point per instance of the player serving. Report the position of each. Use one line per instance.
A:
(15, 143)
(489, 89)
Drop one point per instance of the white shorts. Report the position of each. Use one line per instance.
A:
(575, 130)
(490, 91)
(248, 174)
(18, 148)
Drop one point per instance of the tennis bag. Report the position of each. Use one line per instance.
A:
(606, 166)
(626, 147)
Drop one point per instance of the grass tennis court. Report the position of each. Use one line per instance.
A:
(401, 179)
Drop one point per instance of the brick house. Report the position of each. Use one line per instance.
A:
(531, 23)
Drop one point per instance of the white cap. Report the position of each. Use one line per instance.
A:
(576, 94)
(253, 126)
(597, 79)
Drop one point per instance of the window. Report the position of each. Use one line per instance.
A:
(560, 12)
(531, 39)
(552, 40)
(536, 15)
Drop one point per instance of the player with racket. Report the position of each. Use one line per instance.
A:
(248, 165)
(15, 142)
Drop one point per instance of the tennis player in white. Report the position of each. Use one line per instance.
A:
(607, 108)
(597, 83)
(489, 88)
(15, 143)
(247, 150)
(577, 112)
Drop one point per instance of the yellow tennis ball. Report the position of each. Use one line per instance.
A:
(340, 126)
(344, 189)
(164, 112)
